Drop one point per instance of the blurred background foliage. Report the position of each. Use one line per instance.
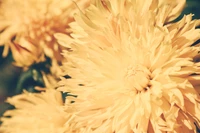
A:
(13, 80)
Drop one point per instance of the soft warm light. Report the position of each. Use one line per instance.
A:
(35, 113)
(132, 70)
(27, 28)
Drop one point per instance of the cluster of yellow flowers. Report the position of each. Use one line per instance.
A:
(133, 67)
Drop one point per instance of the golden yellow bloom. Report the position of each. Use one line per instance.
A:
(26, 54)
(27, 27)
(131, 69)
(35, 113)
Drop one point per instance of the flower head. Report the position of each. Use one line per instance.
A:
(27, 28)
(35, 113)
(132, 70)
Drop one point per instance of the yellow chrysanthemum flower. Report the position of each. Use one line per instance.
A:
(35, 113)
(132, 70)
(27, 28)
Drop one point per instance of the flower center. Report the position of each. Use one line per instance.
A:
(137, 78)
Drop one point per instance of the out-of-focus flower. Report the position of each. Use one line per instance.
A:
(26, 54)
(35, 113)
(27, 28)
(131, 69)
